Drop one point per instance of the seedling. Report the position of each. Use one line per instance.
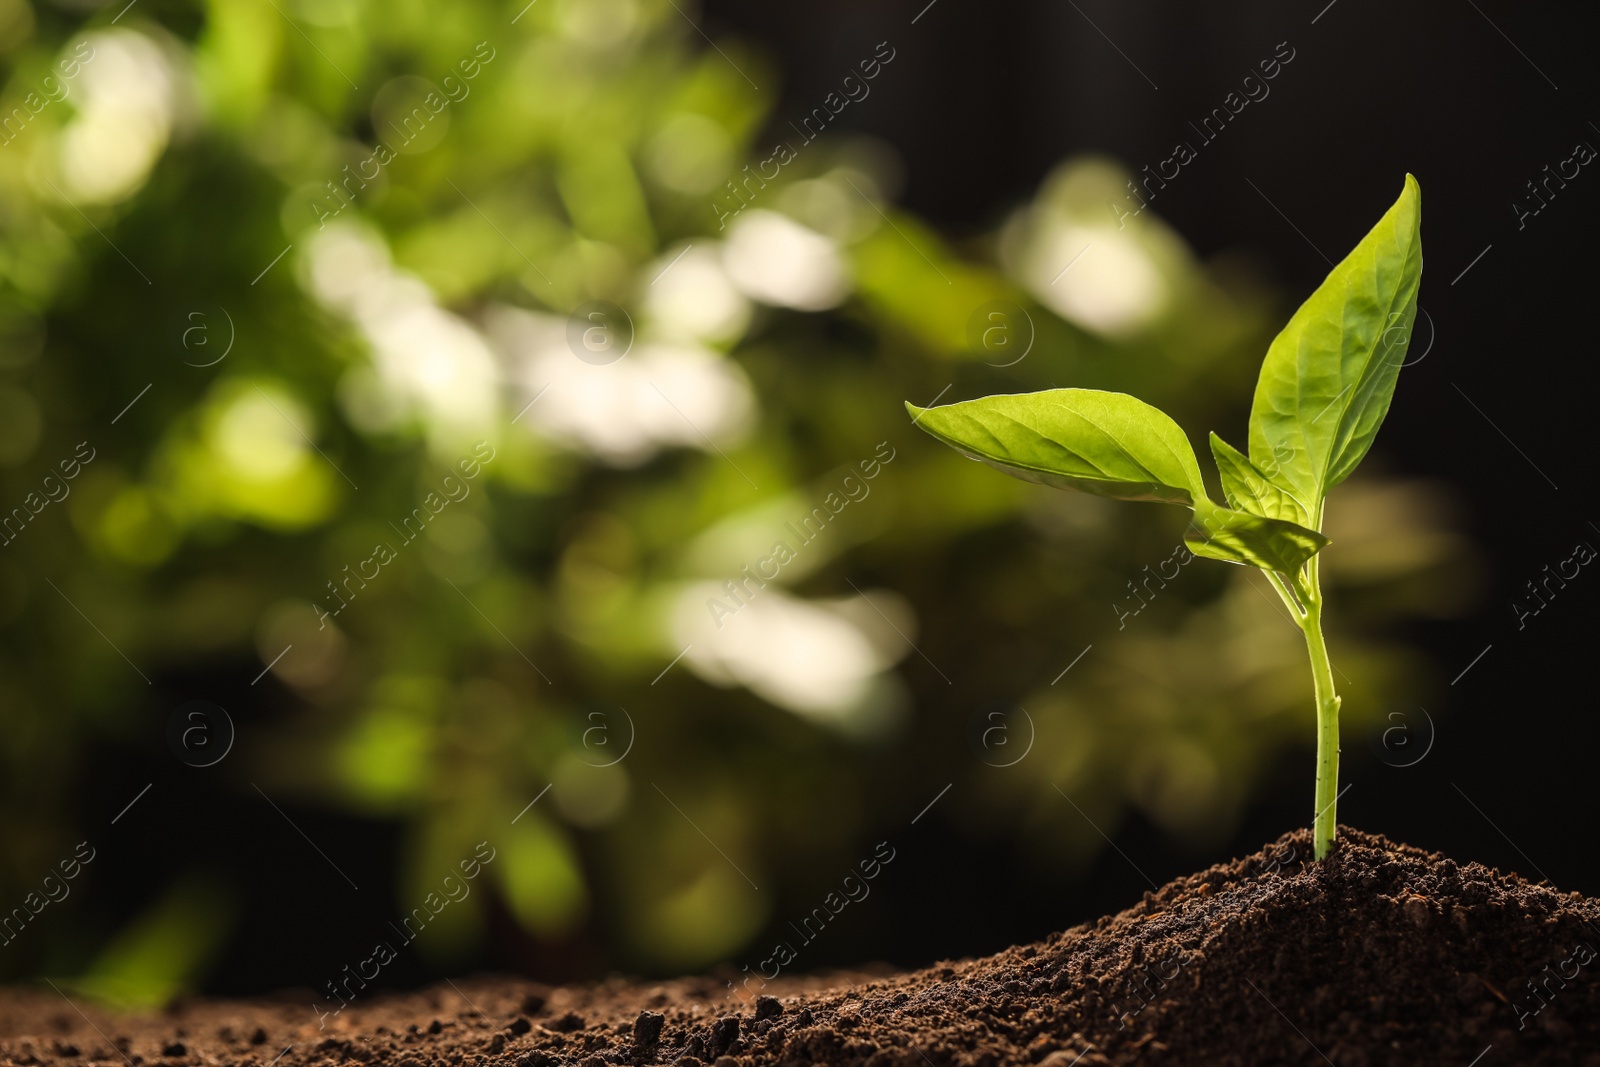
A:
(1324, 389)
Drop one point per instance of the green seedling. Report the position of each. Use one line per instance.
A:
(1324, 389)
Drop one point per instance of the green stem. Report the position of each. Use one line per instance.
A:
(1327, 795)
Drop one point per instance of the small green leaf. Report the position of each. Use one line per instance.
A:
(1239, 537)
(1247, 488)
(1110, 444)
(1326, 383)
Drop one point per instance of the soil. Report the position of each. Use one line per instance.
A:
(1385, 954)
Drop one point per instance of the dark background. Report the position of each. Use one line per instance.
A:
(984, 100)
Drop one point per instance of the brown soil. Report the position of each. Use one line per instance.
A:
(1385, 954)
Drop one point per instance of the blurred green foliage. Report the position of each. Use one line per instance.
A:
(418, 311)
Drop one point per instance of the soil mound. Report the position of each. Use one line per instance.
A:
(1383, 955)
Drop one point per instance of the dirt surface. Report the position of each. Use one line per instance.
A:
(1385, 954)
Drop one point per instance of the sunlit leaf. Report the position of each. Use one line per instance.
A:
(1326, 383)
(1248, 488)
(1240, 537)
(1109, 444)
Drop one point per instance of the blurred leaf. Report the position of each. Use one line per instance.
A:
(236, 57)
(907, 273)
(538, 873)
(601, 190)
(384, 760)
(165, 950)
(576, 164)
(444, 906)
(696, 924)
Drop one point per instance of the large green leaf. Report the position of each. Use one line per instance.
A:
(1326, 383)
(1110, 444)
(1247, 488)
(1239, 537)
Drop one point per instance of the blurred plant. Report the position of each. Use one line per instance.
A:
(342, 366)
(1346, 343)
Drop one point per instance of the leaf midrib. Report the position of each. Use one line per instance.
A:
(1413, 249)
(1149, 474)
